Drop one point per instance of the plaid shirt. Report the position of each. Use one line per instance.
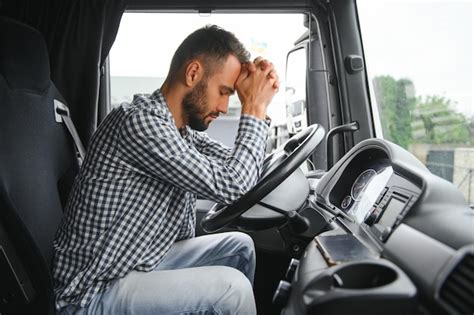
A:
(136, 193)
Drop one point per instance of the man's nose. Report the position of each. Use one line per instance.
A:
(223, 106)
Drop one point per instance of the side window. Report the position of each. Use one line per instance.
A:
(146, 42)
(419, 62)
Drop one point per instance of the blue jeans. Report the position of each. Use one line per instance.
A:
(211, 274)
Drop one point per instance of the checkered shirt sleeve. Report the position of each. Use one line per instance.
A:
(153, 147)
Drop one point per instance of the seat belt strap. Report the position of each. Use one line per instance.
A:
(61, 114)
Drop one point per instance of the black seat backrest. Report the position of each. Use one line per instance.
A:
(37, 165)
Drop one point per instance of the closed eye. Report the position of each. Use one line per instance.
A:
(227, 91)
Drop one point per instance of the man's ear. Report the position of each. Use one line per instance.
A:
(193, 73)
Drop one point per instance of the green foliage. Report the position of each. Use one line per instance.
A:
(439, 122)
(395, 99)
(408, 119)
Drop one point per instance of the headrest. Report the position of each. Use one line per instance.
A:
(24, 61)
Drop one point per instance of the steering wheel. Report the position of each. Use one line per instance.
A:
(276, 168)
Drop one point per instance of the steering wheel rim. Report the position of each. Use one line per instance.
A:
(299, 148)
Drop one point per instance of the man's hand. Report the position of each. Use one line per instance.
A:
(256, 85)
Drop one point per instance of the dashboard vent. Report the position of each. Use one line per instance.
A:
(457, 291)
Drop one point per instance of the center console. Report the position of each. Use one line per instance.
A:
(338, 274)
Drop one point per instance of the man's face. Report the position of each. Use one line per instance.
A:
(210, 96)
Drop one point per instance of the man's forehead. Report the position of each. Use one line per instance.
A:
(227, 73)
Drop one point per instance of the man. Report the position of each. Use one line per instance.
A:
(126, 243)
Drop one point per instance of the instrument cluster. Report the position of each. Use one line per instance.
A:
(364, 191)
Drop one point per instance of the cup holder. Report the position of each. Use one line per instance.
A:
(364, 276)
(369, 287)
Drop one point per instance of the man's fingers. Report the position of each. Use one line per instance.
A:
(251, 67)
(265, 70)
(244, 73)
(273, 75)
(267, 67)
(276, 81)
(257, 60)
(269, 72)
(276, 85)
(262, 64)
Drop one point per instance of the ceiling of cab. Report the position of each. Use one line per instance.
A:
(207, 6)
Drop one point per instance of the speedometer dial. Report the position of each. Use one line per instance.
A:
(361, 182)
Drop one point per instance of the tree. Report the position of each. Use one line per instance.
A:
(436, 122)
(396, 100)
(408, 119)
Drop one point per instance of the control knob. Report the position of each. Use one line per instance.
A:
(371, 216)
(290, 272)
(282, 293)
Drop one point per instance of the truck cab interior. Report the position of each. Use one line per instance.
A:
(347, 217)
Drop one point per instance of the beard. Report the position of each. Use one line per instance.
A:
(195, 105)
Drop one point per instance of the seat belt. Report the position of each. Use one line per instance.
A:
(61, 114)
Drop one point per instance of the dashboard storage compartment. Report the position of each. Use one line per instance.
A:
(374, 286)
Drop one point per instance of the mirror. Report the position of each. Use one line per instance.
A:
(296, 90)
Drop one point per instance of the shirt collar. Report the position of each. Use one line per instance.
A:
(159, 100)
(158, 96)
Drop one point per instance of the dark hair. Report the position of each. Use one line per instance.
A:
(212, 45)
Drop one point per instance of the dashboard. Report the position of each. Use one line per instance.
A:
(396, 238)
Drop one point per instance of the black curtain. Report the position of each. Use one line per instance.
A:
(79, 35)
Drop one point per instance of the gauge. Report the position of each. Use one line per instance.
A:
(361, 182)
(346, 202)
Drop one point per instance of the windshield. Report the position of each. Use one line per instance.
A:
(418, 56)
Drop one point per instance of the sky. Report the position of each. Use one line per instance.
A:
(428, 42)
